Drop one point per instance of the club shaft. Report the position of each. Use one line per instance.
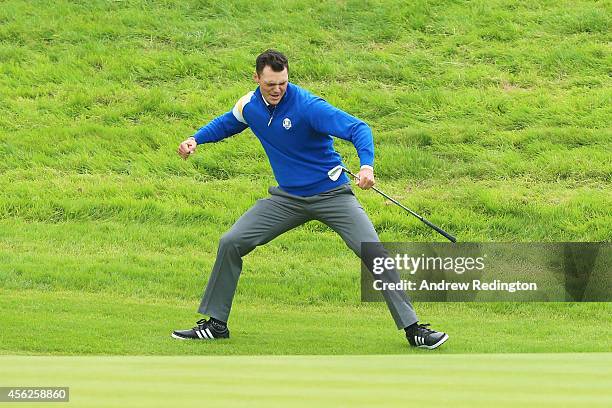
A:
(420, 217)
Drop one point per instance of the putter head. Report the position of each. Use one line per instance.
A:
(335, 173)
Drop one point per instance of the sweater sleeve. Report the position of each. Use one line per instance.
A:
(327, 119)
(226, 125)
(219, 128)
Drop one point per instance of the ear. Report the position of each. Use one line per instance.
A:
(255, 77)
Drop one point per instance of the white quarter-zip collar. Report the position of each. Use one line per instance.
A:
(275, 106)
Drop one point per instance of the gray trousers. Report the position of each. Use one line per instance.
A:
(272, 216)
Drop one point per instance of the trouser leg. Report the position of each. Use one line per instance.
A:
(342, 212)
(267, 219)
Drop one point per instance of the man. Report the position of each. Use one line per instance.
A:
(294, 128)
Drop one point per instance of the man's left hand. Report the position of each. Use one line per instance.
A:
(366, 178)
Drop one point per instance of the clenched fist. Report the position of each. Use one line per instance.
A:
(186, 148)
(366, 178)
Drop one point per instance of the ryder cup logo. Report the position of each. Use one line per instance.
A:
(287, 123)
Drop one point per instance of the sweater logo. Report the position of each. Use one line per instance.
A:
(287, 123)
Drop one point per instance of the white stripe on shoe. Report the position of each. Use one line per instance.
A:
(209, 333)
(198, 333)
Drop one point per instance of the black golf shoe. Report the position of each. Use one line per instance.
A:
(205, 330)
(420, 336)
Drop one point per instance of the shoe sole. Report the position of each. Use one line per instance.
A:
(174, 336)
(438, 344)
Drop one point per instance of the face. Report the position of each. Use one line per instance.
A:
(272, 85)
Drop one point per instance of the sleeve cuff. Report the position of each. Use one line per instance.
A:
(367, 166)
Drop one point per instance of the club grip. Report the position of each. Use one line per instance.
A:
(440, 230)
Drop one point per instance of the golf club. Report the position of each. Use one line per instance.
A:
(334, 174)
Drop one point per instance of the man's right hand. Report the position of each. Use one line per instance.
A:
(186, 148)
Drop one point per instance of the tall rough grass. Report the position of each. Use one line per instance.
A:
(492, 118)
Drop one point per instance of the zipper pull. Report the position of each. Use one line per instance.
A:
(272, 115)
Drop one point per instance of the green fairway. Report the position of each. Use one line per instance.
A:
(79, 323)
(511, 380)
(490, 118)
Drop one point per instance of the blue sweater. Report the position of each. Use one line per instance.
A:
(296, 135)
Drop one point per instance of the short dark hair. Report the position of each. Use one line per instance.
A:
(272, 58)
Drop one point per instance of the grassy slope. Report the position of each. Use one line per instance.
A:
(489, 118)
